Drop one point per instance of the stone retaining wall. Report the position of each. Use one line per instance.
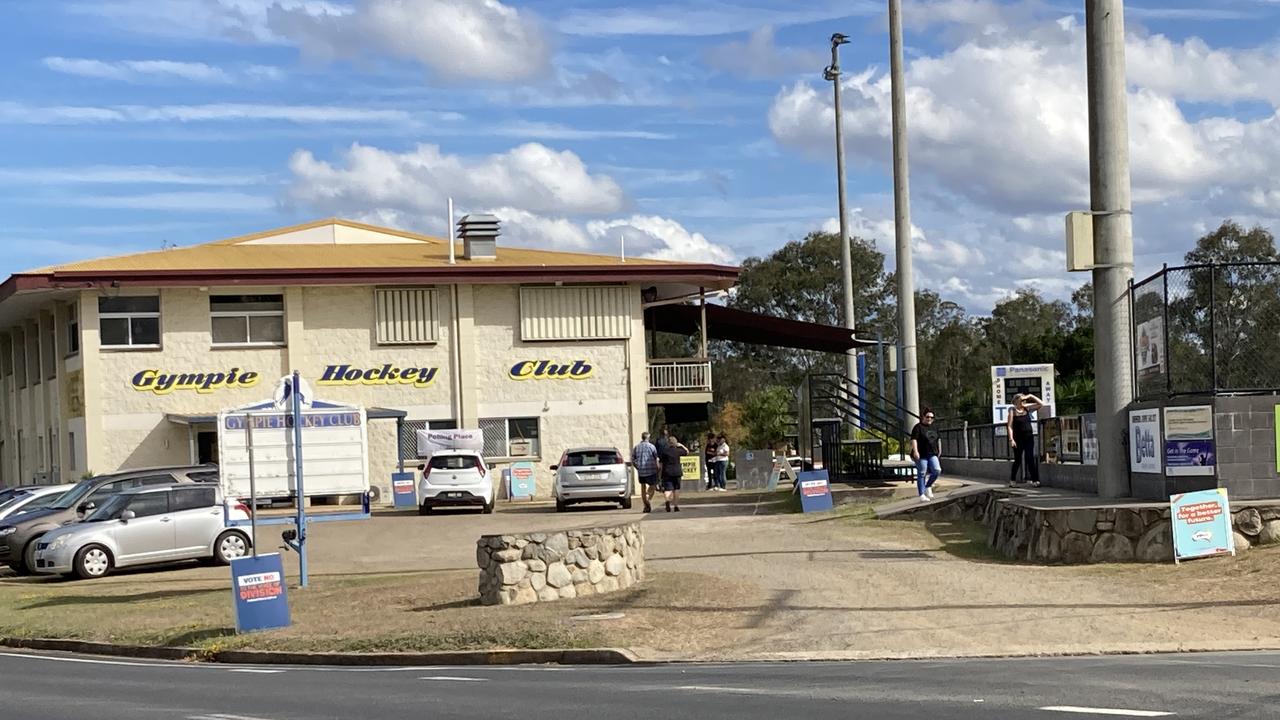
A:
(1091, 535)
(545, 566)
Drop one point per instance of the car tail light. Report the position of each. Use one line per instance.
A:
(242, 508)
(618, 459)
(479, 466)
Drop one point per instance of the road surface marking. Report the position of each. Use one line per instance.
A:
(88, 661)
(1106, 711)
(223, 716)
(730, 690)
(256, 671)
(453, 678)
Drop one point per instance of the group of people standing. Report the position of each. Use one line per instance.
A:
(658, 465)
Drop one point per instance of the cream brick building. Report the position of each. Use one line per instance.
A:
(124, 362)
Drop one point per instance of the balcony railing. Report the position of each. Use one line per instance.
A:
(679, 376)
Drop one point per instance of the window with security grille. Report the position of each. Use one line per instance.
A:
(575, 312)
(409, 438)
(511, 437)
(407, 316)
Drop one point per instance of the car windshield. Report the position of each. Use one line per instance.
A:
(69, 499)
(12, 499)
(9, 494)
(41, 503)
(110, 509)
(592, 457)
(454, 462)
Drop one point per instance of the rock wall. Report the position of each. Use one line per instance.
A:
(540, 567)
(1091, 535)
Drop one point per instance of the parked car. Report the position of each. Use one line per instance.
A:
(455, 478)
(18, 534)
(145, 526)
(595, 474)
(31, 498)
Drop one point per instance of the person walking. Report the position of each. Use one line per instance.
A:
(709, 459)
(1022, 437)
(722, 462)
(924, 451)
(644, 457)
(669, 466)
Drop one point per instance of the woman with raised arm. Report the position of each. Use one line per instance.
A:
(1022, 437)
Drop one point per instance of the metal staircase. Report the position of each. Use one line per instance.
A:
(847, 426)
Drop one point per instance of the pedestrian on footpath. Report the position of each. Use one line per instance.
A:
(644, 457)
(924, 451)
(722, 462)
(709, 459)
(669, 465)
(1022, 437)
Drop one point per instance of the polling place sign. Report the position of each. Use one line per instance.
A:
(815, 491)
(1201, 524)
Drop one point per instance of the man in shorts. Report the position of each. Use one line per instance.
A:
(669, 463)
(644, 457)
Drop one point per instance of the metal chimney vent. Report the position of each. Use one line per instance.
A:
(479, 237)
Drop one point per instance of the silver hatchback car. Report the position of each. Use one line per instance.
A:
(149, 525)
(592, 474)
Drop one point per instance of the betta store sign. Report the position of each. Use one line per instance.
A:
(1144, 441)
(548, 370)
(163, 383)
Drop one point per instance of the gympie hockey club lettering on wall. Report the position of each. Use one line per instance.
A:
(548, 370)
(386, 374)
(163, 383)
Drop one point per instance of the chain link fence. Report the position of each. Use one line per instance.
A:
(1207, 329)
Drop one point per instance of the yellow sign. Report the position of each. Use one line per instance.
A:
(386, 374)
(691, 466)
(544, 369)
(163, 383)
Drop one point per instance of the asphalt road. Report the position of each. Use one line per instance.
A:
(1219, 686)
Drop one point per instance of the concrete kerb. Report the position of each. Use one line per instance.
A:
(589, 656)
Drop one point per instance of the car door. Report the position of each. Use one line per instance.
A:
(149, 535)
(197, 518)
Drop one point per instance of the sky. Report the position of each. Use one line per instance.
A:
(695, 129)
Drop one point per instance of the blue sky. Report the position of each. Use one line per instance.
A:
(698, 130)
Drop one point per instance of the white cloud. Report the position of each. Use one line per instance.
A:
(138, 70)
(531, 176)
(704, 18)
(456, 39)
(23, 114)
(553, 131)
(176, 201)
(201, 20)
(521, 227)
(760, 57)
(660, 238)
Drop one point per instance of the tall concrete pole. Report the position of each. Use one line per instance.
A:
(1112, 236)
(832, 73)
(902, 217)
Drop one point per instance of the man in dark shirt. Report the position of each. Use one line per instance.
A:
(924, 451)
(669, 455)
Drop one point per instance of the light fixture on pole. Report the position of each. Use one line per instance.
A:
(832, 75)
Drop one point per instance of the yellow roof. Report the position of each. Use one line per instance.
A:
(298, 247)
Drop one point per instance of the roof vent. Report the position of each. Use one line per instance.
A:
(479, 237)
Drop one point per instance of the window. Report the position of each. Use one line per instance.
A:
(247, 319)
(148, 504)
(129, 321)
(575, 312)
(73, 330)
(407, 316)
(197, 498)
(409, 438)
(455, 462)
(115, 488)
(588, 458)
(511, 437)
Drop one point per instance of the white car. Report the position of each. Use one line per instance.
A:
(156, 524)
(455, 478)
(592, 475)
(31, 498)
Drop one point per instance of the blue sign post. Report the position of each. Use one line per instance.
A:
(815, 491)
(403, 491)
(1201, 524)
(258, 590)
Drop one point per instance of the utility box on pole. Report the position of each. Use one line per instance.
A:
(1079, 241)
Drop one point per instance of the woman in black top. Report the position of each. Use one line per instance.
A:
(1022, 438)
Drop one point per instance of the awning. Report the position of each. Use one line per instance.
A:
(724, 323)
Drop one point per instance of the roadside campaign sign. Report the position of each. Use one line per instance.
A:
(258, 589)
(403, 491)
(521, 479)
(815, 491)
(1201, 524)
(1188, 440)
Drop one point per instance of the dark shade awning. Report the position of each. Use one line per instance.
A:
(724, 323)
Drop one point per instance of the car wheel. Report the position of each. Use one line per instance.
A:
(93, 561)
(424, 509)
(488, 508)
(626, 503)
(561, 505)
(229, 546)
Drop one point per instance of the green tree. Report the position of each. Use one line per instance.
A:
(765, 416)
